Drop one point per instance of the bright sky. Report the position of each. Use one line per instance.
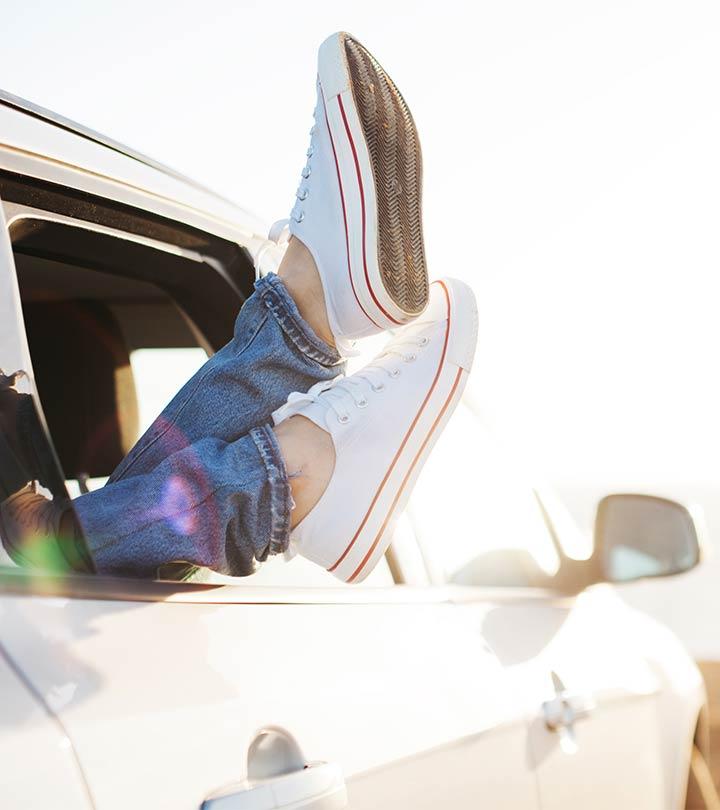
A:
(572, 156)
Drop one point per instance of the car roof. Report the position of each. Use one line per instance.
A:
(100, 154)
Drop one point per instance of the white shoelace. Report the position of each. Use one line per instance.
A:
(279, 234)
(280, 231)
(303, 189)
(344, 394)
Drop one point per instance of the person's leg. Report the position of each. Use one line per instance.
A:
(336, 470)
(221, 505)
(215, 504)
(274, 350)
(282, 342)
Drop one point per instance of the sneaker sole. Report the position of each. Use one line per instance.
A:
(379, 163)
(444, 392)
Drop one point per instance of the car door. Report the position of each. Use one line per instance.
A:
(606, 741)
(591, 698)
(162, 687)
(162, 698)
(576, 663)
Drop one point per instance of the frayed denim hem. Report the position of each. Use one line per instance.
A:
(281, 502)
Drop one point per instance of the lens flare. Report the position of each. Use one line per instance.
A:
(176, 505)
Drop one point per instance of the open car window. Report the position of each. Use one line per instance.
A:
(113, 332)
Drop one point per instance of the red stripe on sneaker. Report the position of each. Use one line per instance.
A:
(406, 438)
(372, 548)
(362, 204)
(342, 200)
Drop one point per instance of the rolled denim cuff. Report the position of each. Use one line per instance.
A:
(281, 501)
(279, 302)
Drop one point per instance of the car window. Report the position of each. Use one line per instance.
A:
(477, 520)
(109, 351)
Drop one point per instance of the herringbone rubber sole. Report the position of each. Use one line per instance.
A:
(396, 158)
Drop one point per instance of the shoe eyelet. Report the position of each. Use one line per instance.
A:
(306, 172)
(302, 195)
(410, 358)
(424, 341)
(343, 418)
(309, 152)
(300, 217)
(362, 403)
(395, 373)
(378, 388)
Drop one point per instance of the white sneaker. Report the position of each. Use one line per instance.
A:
(358, 207)
(384, 420)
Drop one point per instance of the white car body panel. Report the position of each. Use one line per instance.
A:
(30, 147)
(619, 660)
(426, 697)
(39, 768)
(162, 699)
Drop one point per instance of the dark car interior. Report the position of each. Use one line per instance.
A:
(82, 326)
(91, 298)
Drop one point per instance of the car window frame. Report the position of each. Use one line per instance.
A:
(13, 336)
(18, 580)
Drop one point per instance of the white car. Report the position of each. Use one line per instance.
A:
(479, 666)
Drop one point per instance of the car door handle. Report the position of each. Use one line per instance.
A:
(565, 709)
(279, 777)
(318, 786)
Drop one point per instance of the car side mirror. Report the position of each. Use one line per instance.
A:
(638, 536)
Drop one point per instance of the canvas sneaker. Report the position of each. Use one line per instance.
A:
(358, 206)
(384, 421)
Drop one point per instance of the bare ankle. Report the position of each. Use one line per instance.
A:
(302, 280)
(309, 456)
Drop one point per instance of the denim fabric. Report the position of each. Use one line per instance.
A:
(206, 483)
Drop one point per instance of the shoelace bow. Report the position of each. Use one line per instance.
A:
(343, 394)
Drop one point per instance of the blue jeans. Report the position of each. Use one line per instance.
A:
(206, 484)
